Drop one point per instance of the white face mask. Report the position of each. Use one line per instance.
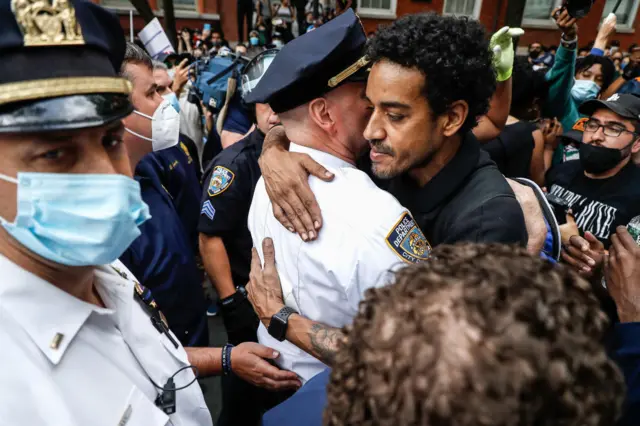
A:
(165, 126)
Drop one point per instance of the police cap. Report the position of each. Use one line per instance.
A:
(313, 64)
(60, 64)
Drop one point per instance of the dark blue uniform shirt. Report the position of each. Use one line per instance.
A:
(179, 171)
(226, 199)
(163, 258)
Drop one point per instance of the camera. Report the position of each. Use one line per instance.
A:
(577, 8)
(210, 78)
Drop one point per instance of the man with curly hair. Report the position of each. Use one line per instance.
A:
(480, 335)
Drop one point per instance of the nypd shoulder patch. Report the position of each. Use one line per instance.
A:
(408, 241)
(208, 210)
(221, 179)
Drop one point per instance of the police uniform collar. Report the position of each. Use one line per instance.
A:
(324, 158)
(449, 179)
(48, 315)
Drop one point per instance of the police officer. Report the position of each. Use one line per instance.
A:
(163, 258)
(82, 343)
(225, 243)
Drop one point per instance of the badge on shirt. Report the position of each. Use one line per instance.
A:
(208, 210)
(408, 241)
(221, 178)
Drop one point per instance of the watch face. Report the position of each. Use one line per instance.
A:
(277, 328)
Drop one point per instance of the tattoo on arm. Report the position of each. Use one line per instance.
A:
(324, 341)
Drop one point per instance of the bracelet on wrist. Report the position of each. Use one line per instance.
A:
(226, 359)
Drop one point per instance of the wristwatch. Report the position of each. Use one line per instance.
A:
(238, 297)
(280, 322)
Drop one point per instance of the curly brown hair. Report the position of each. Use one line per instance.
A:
(481, 335)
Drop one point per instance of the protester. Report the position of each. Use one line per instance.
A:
(460, 341)
(184, 42)
(627, 81)
(245, 15)
(540, 59)
(574, 82)
(601, 189)
(525, 146)
(284, 14)
(83, 342)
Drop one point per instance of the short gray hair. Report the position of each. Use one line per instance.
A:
(157, 65)
(134, 55)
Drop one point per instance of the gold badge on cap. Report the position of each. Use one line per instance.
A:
(47, 24)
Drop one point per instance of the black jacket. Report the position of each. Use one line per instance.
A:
(468, 200)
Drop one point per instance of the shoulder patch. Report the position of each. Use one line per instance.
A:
(408, 241)
(208, 210)
(221, 179)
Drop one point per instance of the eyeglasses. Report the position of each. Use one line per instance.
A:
(612, 130)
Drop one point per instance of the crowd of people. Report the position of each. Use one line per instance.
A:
(409, 227)
(266, 24)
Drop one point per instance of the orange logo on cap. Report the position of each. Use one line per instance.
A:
(579, 125)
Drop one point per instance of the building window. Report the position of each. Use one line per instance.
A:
(469, 8)
(377, 8)
(182, 4)
(538, 12)
(626, 12)
(116, 4)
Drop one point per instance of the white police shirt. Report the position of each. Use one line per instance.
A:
(70, 363)
(366, 233)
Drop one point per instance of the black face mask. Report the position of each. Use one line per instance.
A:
(599, 159)
(534, 54)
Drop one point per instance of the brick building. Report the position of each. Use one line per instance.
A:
(538, 27)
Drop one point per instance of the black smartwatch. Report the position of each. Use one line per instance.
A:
(236, 298)
(280, 322)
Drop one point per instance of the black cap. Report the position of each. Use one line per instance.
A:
(625, 105)
(314, 64)
(60, 64)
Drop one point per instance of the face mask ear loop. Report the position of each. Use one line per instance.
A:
(138, 135)
(142, 114)
(8, 179)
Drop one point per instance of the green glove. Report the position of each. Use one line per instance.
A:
(501, 45)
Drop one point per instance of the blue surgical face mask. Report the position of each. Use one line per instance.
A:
(584, 90)
(254, 41)
(76, 219)
(173, 99)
